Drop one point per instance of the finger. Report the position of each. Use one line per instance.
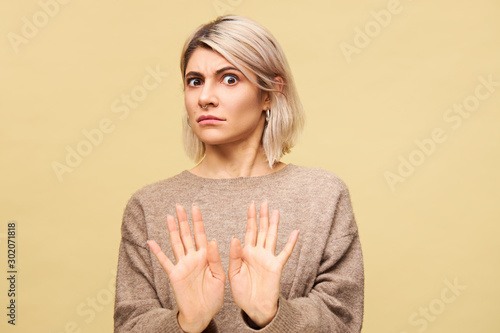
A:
(200, 238)
(185, 231)
(272, 233)
(175, 239)
(214, 262)
(287, 251)
(162, 258)
(263, 223)
(235, 262)
(251, 232)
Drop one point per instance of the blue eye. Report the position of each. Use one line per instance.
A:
(193, 82)
(230, 79)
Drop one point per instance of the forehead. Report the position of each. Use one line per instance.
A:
(206, 61)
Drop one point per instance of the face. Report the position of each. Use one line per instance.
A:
(234, 105)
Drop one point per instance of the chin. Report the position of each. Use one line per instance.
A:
(214, 138)
(218, 141)
(212, 141)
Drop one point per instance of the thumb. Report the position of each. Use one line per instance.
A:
(214, 263)
(235, 254)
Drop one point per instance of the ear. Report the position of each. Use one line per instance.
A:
(278, 85)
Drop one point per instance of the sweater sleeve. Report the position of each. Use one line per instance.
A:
(335, 302)
(137, 305)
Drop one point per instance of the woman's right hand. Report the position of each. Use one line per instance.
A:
(197, 278)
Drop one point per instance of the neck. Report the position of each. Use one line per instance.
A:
(229, 162)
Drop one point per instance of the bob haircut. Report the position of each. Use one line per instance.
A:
(248, 45)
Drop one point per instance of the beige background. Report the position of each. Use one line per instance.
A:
(435, 226)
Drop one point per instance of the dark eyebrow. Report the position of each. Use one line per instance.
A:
(228, 68)
(219, 71)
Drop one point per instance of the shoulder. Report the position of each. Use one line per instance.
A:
(150, 203)
(317, 178)
(325, 191)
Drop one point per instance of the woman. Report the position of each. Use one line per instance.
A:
(243, 114)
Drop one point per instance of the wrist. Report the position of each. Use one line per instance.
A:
(263, 316)
(192, 325)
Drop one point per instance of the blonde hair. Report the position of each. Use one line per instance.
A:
(247, 44)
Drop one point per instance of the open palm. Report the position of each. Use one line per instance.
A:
(197, 278)
(254, 271)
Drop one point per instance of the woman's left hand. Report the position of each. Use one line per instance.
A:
(254, 271)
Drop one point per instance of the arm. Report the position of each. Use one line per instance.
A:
(137, 306)
(334, 302)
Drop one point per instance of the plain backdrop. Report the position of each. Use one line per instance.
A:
(402, 101)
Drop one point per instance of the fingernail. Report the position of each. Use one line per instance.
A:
(147, 242)
(194, 205)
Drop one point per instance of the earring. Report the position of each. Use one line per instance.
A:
(268, 114)
(189, 124)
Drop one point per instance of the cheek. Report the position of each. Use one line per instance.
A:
(246, 103)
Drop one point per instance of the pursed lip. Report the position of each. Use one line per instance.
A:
(208, 117)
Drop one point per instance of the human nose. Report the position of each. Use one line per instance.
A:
(208, 95)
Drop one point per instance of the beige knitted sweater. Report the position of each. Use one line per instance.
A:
(322, 283)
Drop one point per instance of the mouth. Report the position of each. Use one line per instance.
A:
(208, 120)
